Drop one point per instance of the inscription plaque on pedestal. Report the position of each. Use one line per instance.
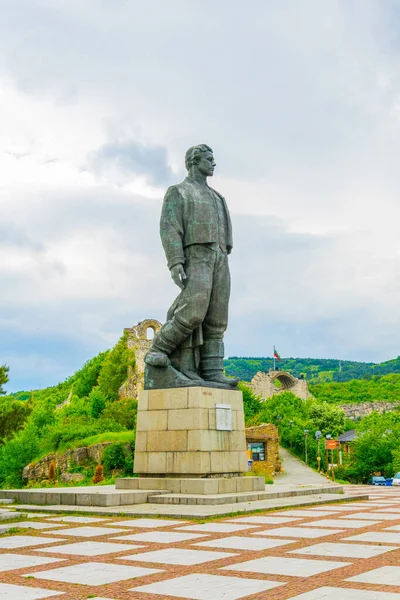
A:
(223, 417)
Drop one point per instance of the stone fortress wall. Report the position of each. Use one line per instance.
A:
(263, 384)
(357, 411)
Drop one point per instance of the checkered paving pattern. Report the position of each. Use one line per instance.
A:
(329, 552)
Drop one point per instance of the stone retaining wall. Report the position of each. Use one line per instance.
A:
(39, 471)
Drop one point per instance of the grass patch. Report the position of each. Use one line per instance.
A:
(108, 436)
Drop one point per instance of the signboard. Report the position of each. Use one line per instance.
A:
(223, 417)
(332, 445)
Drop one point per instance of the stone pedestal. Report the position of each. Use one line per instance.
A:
(194, 432)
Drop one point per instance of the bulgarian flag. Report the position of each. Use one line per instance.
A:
(276, 355)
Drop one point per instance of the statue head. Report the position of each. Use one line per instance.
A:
(200, 158)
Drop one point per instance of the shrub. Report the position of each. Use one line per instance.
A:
(98, 474)
(123, 412)
(52, 471)
(98, 403)
(114, 456)
(15, 455)
(118, 456)
(261, 469)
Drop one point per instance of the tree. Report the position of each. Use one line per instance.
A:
(251, 403)
(327, 418)
(13, 415)
(4, 369)
(114, 369)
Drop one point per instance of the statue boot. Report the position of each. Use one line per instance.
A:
(212, 363)
(171, 335)
(187, 365)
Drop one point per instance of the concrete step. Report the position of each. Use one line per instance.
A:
(190, 485)
(81, 496)
(6, 501)
(187, 511)
(214, 499)
(9, 515)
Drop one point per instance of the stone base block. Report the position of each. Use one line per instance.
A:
(190, 432)
(199, 486)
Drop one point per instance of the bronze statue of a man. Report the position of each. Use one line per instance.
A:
(196, 234)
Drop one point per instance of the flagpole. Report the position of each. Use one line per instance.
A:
(274, 360)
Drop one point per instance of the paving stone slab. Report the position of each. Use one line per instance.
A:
(328, 507)
(178, 556)
(344, 507)
(216, 527)
(208, 587)
(82, 520)
(149, 523)
(266, 520)
(35, 525)
(341, 522)
(245, 543)
(392, 528)
(383, 576)
(89, 531)
(374, 515)
(297, 532)
(304, 514)
(18, 592)
(9, 562)
(160, 537)
(335, 593)
(93, 573)
(22, 541)
(294, 567)
(343, 550)
(89, 548)
(385, 537)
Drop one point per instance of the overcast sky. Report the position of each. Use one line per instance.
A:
(99, 100)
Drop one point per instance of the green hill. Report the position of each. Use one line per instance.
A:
(83, 408)
(315, 370)
(377, 389)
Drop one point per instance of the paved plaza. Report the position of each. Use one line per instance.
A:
(348, 551)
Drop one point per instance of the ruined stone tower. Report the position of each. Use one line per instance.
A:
(139, 339)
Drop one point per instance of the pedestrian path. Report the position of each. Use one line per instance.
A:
(295, 471)
(333, 551)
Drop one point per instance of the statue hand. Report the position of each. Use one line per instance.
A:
(178, 275)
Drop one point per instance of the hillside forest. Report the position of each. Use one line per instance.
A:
(86, 409)
(315, 370)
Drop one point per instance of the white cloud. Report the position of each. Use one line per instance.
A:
(99, 101)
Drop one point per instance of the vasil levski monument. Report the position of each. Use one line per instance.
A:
(190, 435)
(196, 233)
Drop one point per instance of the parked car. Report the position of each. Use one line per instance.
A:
(396, 479)
(377, 480)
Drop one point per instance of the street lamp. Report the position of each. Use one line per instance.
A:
(305, 443)
(328, 437)
(318, 435)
